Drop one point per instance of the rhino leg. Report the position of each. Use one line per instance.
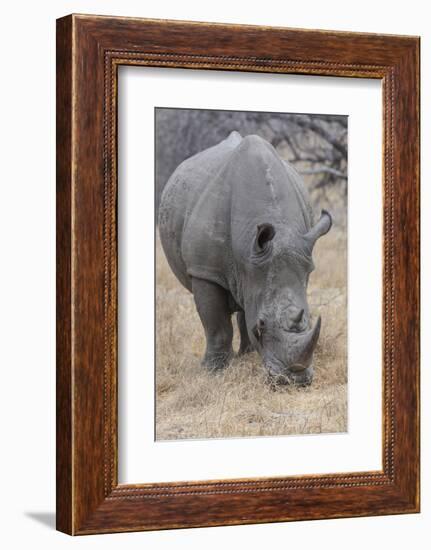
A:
(245, 344)
(212, 305)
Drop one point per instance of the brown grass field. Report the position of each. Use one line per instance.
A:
(192, 403)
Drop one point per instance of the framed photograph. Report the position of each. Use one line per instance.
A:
(237, 274)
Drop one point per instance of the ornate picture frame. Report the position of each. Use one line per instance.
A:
(89, 51)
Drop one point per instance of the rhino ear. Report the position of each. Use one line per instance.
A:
(264, 235)
(320, 228)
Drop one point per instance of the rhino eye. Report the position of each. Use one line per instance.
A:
(265, 234)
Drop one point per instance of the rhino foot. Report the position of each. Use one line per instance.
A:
(217, 361)
(213, 307)
(243, 349)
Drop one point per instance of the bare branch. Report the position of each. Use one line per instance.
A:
(331, 119)
(324, 170)
(319, 130)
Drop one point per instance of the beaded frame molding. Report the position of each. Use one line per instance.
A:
(89, 51)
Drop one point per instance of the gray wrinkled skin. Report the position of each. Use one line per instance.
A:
(237, 229)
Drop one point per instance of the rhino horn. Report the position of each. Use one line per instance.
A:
(308, 343)
(313, 335)
(320, 228)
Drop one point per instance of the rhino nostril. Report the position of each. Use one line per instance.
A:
(298, 317)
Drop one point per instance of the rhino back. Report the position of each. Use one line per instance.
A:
(179, 199)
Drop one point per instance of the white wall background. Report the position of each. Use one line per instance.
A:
(27, 289)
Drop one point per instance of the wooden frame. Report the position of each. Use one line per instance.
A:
(89, 51)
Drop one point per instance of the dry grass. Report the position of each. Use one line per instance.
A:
(192, 403)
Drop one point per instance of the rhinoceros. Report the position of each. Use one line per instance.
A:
(237, 229)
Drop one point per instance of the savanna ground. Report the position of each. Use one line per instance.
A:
(238, 402)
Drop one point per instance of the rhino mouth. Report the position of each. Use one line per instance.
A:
(296, 375)
(299, 369)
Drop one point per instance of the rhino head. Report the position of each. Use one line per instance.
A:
(275, 299)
